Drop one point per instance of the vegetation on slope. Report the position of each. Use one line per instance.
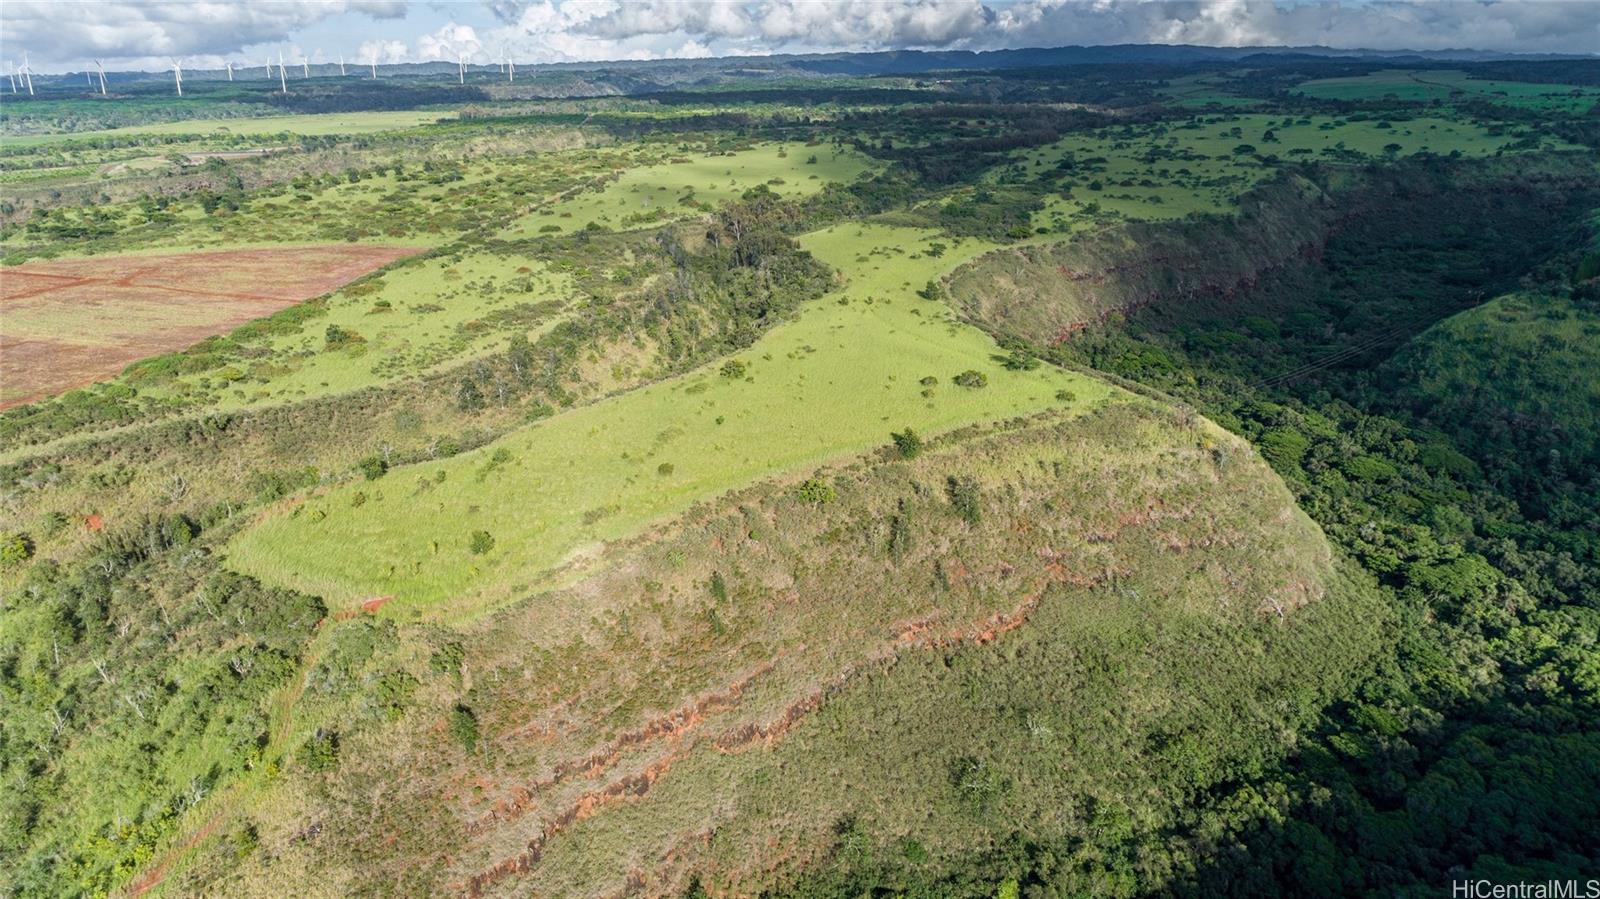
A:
(1466, 755)
(616, 714)
(765, 669)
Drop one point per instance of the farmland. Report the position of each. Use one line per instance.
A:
(69, 324)
(1452, 87)
(702, 478)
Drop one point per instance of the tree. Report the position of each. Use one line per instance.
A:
(964, 498)
(816, 491)
(907, 443)
(469, 398)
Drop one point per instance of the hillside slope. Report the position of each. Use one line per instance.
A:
(1022, 633)
(1513, 382)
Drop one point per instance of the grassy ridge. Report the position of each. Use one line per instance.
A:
(1117, 576)
(852, 362)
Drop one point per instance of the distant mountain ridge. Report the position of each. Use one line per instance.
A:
(911, 62)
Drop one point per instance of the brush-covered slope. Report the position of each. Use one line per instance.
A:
(1048, 630)
(1208, 267)
(1516, 383)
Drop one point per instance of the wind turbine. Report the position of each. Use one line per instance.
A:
(177, 75)
(283, 81)
(230, 70)
(269, 68)
(102, 77)
(341, 65)
(305, 65)
(461, 62)
(511, 69)
(374, 65)
(27, 72)
(12, 74)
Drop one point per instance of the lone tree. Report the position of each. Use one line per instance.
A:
(907, 443)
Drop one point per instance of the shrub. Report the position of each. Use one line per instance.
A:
(15, 548)
(900, 533)
(719, 587)
(907, 444)
(469, 398)
(816, 491)
(971, 378)
(321, 752)
(373, 467)
(664, 469)
(481, 542)
(734, 369)
(338, 338)
(1019, 360)
(464, 727)
(964, 498)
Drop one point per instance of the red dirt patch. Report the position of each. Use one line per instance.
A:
(68, 323)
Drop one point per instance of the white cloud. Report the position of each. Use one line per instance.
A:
(157, 29)
(383, 52)
(449, 43)
(147, 33)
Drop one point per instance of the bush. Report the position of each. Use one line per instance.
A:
(338, 338)
(664, 469)
(373, 467)
(734, 369)
(1019, 360)
(816, 491)
(907, 444)
(464, 727)
(971, 378)
(964, 498)
(15, 548)
(900, 533)
(481, 542)
(321, 752)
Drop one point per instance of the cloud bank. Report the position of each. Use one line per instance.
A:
(532, 31)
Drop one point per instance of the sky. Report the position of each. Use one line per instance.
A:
(68, 35)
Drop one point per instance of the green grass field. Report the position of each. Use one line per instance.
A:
(410, 321)
(836, 381)
(648, 195)
(1452, 86)
(265, 126)
(1169, 171)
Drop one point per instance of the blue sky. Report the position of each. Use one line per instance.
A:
(61, 35)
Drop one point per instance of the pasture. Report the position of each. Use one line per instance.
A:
(872, 358)
(1424, 86)
(71, 322)
(691, 182)
(1174, 169)
(368, 122)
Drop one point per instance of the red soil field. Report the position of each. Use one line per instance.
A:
(69, 323)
